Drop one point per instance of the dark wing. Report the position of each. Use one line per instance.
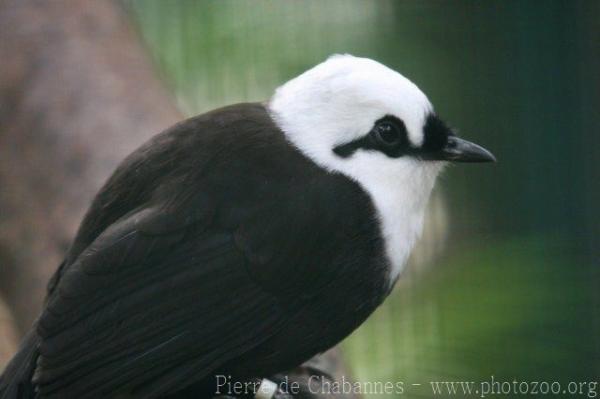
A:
(150, 313)
(199, 274)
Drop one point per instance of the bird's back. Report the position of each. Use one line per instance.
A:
(220, 209)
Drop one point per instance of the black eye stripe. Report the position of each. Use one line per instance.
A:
(388, 135)
(435, 132)
(346, 150)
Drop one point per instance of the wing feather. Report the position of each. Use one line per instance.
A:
(105, 332)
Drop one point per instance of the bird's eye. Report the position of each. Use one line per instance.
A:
(389, 133)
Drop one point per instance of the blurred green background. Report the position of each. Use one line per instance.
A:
(506, 281)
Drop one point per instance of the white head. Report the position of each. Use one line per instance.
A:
(357, 117)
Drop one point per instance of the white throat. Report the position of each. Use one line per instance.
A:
(400, 190)
(400, 198)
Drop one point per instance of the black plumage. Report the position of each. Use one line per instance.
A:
(217, 247)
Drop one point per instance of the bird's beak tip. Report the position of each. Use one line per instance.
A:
(461, 150)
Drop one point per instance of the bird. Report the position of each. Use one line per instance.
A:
(243, 241)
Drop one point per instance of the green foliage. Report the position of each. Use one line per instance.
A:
(511, 308)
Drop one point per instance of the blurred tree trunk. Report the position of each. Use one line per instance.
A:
(8, 336)
(77, 94)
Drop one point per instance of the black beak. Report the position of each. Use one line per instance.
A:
(460, 150)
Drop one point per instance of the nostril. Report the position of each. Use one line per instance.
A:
(450, 142)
